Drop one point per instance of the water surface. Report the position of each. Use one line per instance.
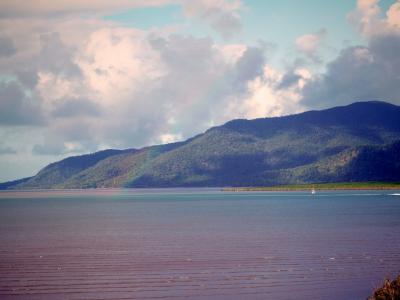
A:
(197, 244)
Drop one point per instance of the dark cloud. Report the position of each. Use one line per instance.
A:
(289, 79)
(185, 53)
(56, 57)
(7, 47)
(199, 84)
(359, 73)
(28, 77)
(74, 107)
(7, 150)
(16, 108)
(195, 87)
(250, 64)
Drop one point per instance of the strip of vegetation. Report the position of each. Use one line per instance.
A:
(389, 291)
(323, 186)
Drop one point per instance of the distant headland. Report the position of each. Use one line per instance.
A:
(354, 143)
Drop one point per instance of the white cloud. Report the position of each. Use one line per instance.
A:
(123, 87)
(116, 62)
(367, 17)
(393, 15)
(309, 44)
(231, 52)
(170, 138)
(267, 98)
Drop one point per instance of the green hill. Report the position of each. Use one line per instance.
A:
(358, 142)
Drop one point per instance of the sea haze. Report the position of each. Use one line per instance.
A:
(197, 244)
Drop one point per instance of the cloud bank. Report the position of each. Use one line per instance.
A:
(124, 87)
(359, 73)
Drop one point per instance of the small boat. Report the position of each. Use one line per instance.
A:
(313, 191)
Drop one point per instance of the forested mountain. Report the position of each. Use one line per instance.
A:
(358, 142)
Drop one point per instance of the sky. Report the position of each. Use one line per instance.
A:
(81, 76)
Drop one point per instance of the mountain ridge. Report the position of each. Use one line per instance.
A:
(345, 142)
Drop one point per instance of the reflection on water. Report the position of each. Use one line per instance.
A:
(197, 244)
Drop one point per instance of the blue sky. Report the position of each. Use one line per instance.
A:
(77, 77)
(267, 20)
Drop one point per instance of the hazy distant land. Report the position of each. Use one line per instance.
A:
(322, 187)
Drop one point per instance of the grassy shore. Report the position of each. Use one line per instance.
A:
(322, 186)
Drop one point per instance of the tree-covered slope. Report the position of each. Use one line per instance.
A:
(10, 184)
(56, 173)
(117, 170)
(273, 150)
(359, 142)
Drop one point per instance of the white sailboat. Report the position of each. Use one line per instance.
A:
(313, 191)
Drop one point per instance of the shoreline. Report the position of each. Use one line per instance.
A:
(282, 188)
(319, 187)
(306, 190)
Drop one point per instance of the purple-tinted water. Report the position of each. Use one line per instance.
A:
(196, 244)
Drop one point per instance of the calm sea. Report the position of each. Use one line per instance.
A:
(197, 244)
